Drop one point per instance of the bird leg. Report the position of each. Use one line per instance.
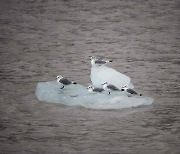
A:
(109, 93)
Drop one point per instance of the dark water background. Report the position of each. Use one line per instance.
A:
(41, 39)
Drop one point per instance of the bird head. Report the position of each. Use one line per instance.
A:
(93, 57)
(124, 88)
(59, 77)
(104, 83)
(89, 87)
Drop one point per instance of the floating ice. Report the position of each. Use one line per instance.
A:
(101, 74)
(75, 95)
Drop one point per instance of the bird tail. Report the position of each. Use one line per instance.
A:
(109, 61)
(74, 82)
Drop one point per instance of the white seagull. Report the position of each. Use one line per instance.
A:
(109, 87)
(92, 89)
(100, 73)
(98, 61)
(63, 81)
(129, 91)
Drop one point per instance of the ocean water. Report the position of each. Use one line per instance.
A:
(41, 39)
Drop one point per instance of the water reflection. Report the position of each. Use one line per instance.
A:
(41, 39)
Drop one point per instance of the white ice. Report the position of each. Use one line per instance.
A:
(78, 95)
(101, 74)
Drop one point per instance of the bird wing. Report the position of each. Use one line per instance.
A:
(112, 87)
(131, 91)
(100, 62)
(98, 89)
(65, 81)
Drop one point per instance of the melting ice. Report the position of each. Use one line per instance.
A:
(74, 95)
(101, 74)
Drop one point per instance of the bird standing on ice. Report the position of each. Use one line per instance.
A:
(109, 87)
(92, 89)
(63, 81)
(101, 73)
(129, 91)
(99, 62)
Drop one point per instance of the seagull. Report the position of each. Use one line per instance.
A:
(63, 81)
(109, 87)
(92, 89)
(98, 61)
(130, 91)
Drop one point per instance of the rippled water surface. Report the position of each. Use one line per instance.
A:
(41, 39)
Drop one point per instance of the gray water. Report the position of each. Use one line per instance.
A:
(41, 39)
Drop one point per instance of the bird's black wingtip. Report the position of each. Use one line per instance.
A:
(62, 87)
(111, 61)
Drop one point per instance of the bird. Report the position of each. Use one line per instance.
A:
(98, 61)
(93, 89)
(129, 91)
(63, 81)
(109, 87)
(101, 73)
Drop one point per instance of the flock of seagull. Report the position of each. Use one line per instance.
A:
(106, 87)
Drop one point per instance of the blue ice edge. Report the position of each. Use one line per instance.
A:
(78, 95)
